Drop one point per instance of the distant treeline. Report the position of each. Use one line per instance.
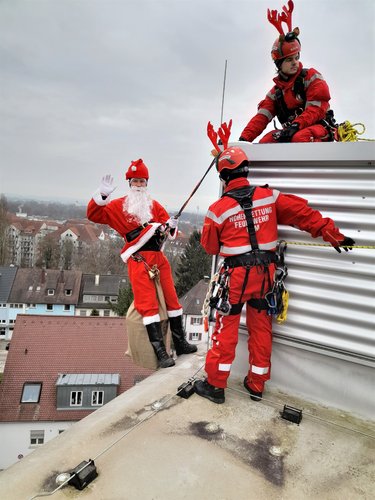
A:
(63, 211)
(50, 209)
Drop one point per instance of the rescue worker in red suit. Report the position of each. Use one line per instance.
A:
(299, 98)
(251, 272)
(142, 222)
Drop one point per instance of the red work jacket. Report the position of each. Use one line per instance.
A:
(315, 106)
(225, 227)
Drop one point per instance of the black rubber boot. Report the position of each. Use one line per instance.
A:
(255, 396)
(178, 335)
(208, 391)
(156, 338)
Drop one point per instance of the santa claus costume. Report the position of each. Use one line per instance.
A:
(144, 224)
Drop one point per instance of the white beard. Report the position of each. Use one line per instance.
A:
(138, 204)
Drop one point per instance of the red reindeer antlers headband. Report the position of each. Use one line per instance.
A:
(223, 133)
(277, 19)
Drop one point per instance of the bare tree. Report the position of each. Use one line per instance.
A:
(48, 253)
(4, 225)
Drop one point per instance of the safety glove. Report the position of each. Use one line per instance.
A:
(287, 133)
(172, 222)
(106, 186)
(347, 243)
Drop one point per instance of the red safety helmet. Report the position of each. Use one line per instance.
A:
(137, 170)
(286, 44)
(283, 47)
(231, 159)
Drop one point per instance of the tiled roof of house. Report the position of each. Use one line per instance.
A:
(85, 231)
(107, 285)
(7, 275)
(27, 281)
(192, 301)
(44, 347)
(26, 226)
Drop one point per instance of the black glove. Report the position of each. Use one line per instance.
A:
(347, 243)
(287, 133)
(242, 139)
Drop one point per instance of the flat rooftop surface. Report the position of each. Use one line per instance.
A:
(149, 443)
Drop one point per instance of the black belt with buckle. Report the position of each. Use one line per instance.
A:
(262, 257)
(132, 235)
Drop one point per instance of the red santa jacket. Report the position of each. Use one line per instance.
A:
(112, 213)
(314, 107)
(225, 227)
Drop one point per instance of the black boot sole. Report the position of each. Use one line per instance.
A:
(218, 401)
(255, 396)
(166, 363)
(190, 351)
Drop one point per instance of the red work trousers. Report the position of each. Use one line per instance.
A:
(144, 291)
(315, 133)
(259, 325)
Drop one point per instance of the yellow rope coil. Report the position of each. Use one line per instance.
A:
(346, 132)
(281, 318)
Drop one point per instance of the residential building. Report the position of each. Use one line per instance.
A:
(59, 369)
(44, 291)
(7, 277)
(192, 303)
(23, 238)
(98, 292)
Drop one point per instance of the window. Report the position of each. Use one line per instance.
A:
(31, 392)
(83, 312)
(50, 291)
(30, 288)
(49, 307)
(68, 292)
(66, 307)
(196, 321)
(36, 438)
(97, 398)
(76, 398)
(106, 312)
(195, 336)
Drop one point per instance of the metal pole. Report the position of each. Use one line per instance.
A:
(215, 258)
(222, 99)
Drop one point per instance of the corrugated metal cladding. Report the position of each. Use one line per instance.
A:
(88, 379)
(332, 299)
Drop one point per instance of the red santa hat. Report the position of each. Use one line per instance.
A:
(137, 170)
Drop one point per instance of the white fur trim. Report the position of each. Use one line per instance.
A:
(144, 239)
(147, 320)
(97, 197)
(175, 313)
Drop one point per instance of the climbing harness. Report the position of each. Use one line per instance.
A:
(219, 292)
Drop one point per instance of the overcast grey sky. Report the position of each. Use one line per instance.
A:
(89, 85)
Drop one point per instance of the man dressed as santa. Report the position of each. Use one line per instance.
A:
(142, 222)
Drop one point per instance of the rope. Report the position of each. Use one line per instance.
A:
(307, 414)
(346, 132)
(327, 245)
(281, 318)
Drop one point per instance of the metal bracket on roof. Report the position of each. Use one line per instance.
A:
(292, 414)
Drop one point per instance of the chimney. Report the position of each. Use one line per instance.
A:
(97, 276)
